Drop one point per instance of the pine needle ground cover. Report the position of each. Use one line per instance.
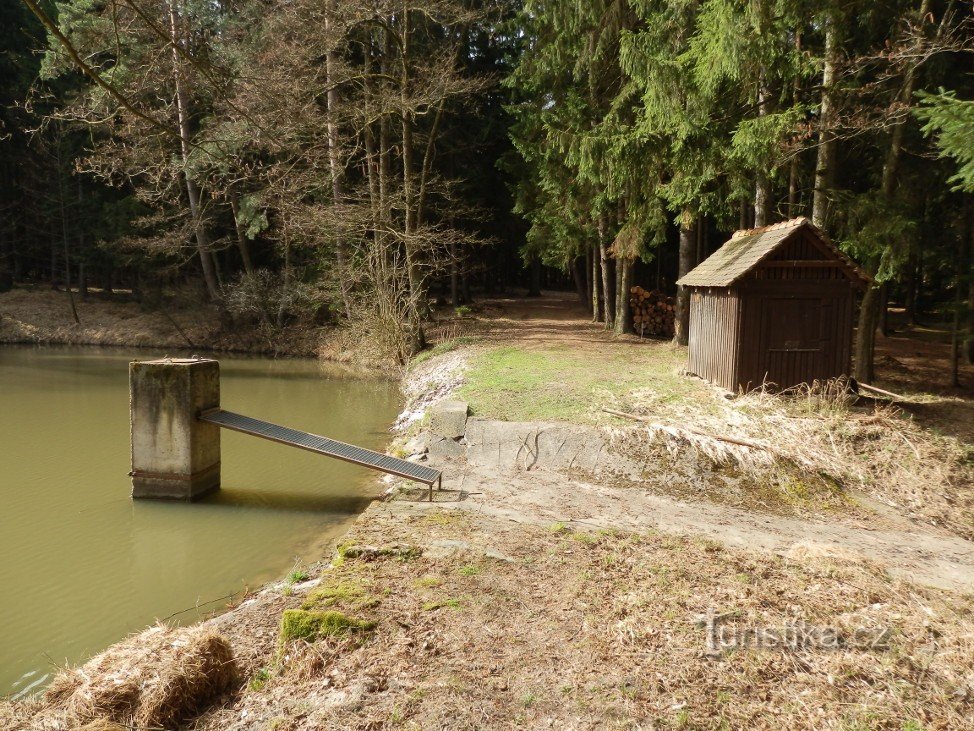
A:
(568, 628)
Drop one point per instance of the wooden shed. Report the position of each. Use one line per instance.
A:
(773, 305)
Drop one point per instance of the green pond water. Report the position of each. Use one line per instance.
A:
(82, 565)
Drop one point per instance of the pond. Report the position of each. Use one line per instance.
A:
(81, 564)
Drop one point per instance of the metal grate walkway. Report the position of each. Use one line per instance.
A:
(324, 445)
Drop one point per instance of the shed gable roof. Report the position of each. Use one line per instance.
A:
(747, 249)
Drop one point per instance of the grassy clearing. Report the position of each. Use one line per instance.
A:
(565, 383)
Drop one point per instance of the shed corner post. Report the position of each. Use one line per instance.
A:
(175, 456)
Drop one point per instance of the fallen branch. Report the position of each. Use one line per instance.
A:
(881, 392)
(179, 329)
(691, 430)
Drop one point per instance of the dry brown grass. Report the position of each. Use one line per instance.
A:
(153, 680)
(594, 630)
(876, 447)
(825, 435)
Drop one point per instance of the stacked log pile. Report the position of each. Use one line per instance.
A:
(652, 312)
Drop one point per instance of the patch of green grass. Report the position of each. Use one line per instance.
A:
(301, 624)
(427, 582)
(297, 575)
(259, 680)
(443, 517)
(569, 384)
(469, 570)
(558, 528)
(442, 603)
(346, 592)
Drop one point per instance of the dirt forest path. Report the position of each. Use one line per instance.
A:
(905, 359)
(922, 555)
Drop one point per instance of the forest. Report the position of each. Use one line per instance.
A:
(355, 162)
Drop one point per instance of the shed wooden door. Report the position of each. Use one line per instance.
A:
(794, 339)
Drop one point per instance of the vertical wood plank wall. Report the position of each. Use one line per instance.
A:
(714, 328)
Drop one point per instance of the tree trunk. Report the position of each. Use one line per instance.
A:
(454, 278)
(285, 282)
(681, 323)
(465, 284)
(534, 276)
(698, 254)
(872, 303)
(794, 167)
(242, 243)
(762, 184)
(6, 256)
(64, 231)
(884, 309)
(334, 161)
(968, 347)
(578, 275)
(868, 319)
(414, 266)
(793, 186)
(825, 160)
(598, 313)
(963, 269)
(192, 192)
(910, 285)
(608, 270)
(623, 309)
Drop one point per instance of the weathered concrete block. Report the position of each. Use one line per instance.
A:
(448, 418)
(419, 444)
(174, 455)
(440, 447)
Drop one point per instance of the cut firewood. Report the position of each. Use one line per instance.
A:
(652, 312)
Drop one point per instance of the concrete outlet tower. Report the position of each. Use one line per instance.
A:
(175, 456)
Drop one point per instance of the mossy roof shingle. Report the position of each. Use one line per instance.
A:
(747, 249)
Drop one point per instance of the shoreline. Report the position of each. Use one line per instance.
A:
(558, 577)
(30, 316)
